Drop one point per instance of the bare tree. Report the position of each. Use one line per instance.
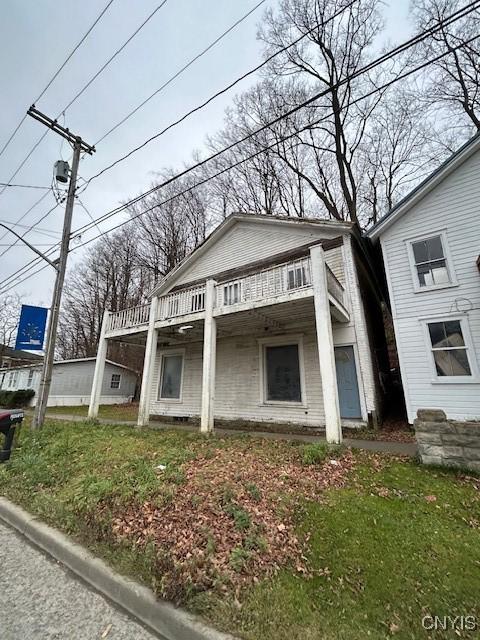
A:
(10, 306)
(452, 82)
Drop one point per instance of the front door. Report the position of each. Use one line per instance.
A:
(347, 383)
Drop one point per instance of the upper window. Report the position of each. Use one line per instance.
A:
(231, 293)
(450, 352)
(430, 262)
(296, 276)
(30, 378)
(171, 377)
(282, 373)
(197, 302)
(115, 381)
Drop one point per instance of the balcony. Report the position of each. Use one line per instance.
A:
(273, 285)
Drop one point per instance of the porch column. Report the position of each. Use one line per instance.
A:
(209, 358)
(148, 366)
(326, 353)
(99, 369)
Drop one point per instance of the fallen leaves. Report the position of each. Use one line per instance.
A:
(231, 522)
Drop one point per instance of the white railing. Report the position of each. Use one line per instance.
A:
(182, 302)
(127, 318)
(335, 287)
(268, 283)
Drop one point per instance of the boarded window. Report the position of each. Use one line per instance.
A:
(283, 373)
(231, 293)
(449, 348)
(430, 262)
(297, 277)
(115, 381)
(171, 377)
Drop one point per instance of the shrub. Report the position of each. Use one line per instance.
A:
(16, 399)
(314, 453)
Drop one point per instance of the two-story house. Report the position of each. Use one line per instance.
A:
(269, 320)
(431, 245)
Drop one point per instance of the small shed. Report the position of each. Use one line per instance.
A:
(72, 382)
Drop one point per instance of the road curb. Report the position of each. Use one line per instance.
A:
(162, 617)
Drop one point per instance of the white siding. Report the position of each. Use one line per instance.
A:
(247, 242)
(237, 387)
(453, 206)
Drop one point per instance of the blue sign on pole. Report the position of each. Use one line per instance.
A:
(31, 329)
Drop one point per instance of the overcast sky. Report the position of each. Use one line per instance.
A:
(35, 39)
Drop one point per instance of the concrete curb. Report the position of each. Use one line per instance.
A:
(161, 617)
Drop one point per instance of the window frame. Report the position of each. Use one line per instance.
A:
(442, 234)
(228, 288)
(31, 373)
(294, 268)
(119, 381)
(474, 377)
(162, 355)
(281, 341)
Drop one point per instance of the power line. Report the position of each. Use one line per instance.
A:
(186, 66)
(37, 229)
(390, 54)
(242, 160)
(211, 98)
(30, 228)
(59, 70)
(366, 68)
(23, 186)
(102, 68)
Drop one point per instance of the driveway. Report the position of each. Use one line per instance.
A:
(41, 600)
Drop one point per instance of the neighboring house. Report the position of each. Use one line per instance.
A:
(72, 382)
(14, 357)
(257, 324)
(431, 244)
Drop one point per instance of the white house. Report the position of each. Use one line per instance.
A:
(72, 382)
(271, 319)
(431, 244)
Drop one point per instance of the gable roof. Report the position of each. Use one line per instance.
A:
(73, 361)
(17, 354)
(427, 185)
(228, 223)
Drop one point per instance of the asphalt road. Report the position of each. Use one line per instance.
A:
(41, 600)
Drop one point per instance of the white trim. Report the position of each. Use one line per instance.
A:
(469, 348)
(119, 380)
(160, 288)
(170, 352)
(281, 341)
(434, 179)
(447, 256)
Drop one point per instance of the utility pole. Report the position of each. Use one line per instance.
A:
(78, 146)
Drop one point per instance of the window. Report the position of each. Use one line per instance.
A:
(13, 379)
(430, 262)
(231, 293)
(115, 381)
(282, 373)
(296, 277)
(171, 377)
(450, 353)
(30, 379)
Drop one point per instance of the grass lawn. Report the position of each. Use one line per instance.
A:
(109, 411)
(264, 539)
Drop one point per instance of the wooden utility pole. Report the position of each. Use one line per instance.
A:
(78, 146)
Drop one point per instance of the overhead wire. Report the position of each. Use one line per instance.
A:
(390, 54)
(402, 76)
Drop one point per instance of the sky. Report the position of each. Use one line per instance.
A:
(36, 37)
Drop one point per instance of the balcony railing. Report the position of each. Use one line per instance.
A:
(182, 303)
(126, 318)
(267, 284)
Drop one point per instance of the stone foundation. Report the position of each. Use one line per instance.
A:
(447, 442)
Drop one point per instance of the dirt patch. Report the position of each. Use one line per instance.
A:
(231, 520)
